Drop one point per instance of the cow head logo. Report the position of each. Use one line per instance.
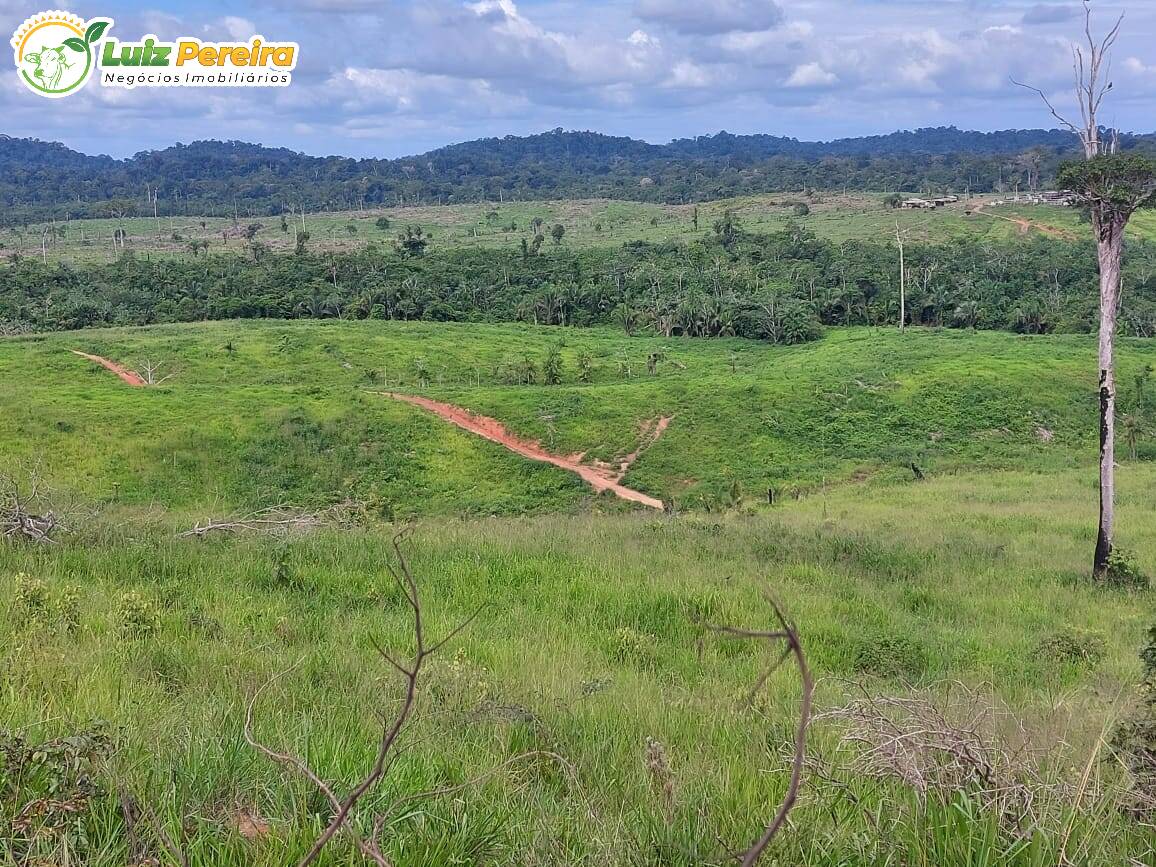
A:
(55, 52)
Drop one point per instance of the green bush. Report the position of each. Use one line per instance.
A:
(137, 617)
(1073, 647)
(895, 656)
(799, 325)
(1124, 572)
(38, 604)
(635, 648)
(47, 795)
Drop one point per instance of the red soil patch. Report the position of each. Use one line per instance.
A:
(129, 376)
(599, 476)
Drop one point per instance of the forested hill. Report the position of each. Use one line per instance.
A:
(39, 179)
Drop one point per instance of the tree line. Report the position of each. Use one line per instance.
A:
(782, 286)
(44, 180)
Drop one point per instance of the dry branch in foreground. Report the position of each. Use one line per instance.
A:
(274, 519)
(792, 647)
(944, 745)
(344, 808)
(26, 509)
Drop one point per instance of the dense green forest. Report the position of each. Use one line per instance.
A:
(40, 180)
(780, 286)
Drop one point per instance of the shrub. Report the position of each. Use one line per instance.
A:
(585, 367)
(635, 648)
(33, 601)
(552, 366)
(46, 796)
(1124, 572)
(137, 616)
(799, 325)
(460, 683)
(37, 603)
(1074, 647)
(890, 656)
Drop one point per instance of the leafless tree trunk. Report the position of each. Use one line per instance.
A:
(1090, 71)
(1110, 243)
(902, 279)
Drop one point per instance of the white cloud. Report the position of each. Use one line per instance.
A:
(689, 74)
(239, 29)
(1002, 31)
(432, 71)
(811, 75)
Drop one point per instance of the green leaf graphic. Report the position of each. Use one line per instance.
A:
(95, 31)
(75, 44)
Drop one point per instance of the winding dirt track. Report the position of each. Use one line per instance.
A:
(1025, 226)
(599, 477)
(129, 376)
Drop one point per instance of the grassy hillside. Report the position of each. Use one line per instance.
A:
(129, 652)
(258, 413)
(588, 223)
(587, 648)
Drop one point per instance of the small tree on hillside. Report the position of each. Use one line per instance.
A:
(552, 365)
(1113, 186)
(412, 241)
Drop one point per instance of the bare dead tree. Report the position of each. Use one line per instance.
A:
(902, 279)
(792, 648)
(1091, 71)
(1113, 187)
(150, 372)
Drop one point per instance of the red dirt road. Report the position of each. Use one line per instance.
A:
(129, 376)
(1025, 226)
(601, 478)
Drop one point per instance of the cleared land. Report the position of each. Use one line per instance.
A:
(590, 646)
(588, 223)
(262, 412)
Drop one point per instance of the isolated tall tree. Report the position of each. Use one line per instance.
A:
(902, 279)
(1113, 186)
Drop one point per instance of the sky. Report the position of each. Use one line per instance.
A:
(389, 78)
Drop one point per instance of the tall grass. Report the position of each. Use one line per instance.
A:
(589, 645)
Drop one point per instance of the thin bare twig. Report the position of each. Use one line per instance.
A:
(344, 807)
(132, 809)
(794, 647)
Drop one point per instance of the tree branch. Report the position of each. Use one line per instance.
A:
(794, 647)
